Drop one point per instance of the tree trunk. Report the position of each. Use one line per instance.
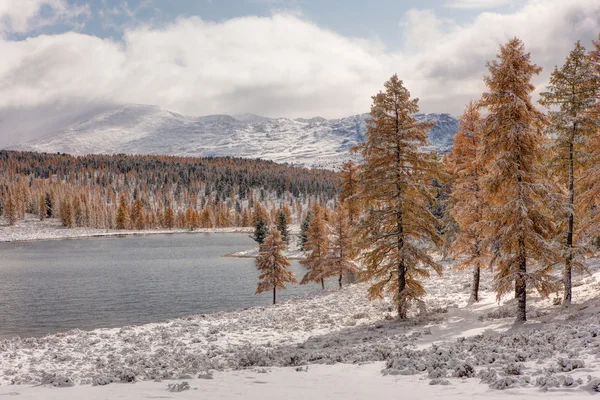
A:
(569, 259)
(340, 281)
(475, 287)
(521, 284)
(274, 295)
(322, 284)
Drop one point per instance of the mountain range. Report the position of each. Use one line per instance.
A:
(145, 129)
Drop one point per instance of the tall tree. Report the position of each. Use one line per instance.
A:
(520, 200)
(340, 260)
(571, 97)
(282, 225)
(303, 238)
(10, 210)
(349, 188)
(466, 198)
(317, 245)
(122, 214)
(395, 186)
(273, 265)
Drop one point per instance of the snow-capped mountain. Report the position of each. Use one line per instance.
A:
(142, 129)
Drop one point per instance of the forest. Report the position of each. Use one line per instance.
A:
(146, 192)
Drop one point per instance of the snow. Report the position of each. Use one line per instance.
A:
(329, 345)
(144, 129)
(31, 228)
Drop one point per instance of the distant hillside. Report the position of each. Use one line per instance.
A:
(143, 129)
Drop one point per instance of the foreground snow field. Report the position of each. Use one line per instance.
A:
(327, 345)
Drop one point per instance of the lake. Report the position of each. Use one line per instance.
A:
(57, 285)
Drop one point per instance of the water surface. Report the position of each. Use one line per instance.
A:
(57, 285)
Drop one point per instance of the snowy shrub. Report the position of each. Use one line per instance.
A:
(436, 373)
(504, 383)
(488, 375)
(209, 375)
(464, 371)
(594, 385)
(513, 369)
(567, 365)
(178, 387)
(126, 375)
(101, 380)
(57, 381)
(253, 356)
(439, 382)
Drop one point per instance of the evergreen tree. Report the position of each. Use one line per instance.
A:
(395, 187)
(317, 245)
(467, 202)
(261, 230)
(122, 214)
(520, 200)
(303, 238)
(49, 208)
(571, 98)
(340, 260)
(282, 226)
(273, 265)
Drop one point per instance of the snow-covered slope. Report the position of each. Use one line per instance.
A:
(142, 129)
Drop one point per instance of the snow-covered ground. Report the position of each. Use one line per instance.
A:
(328, 345)
(31, 228)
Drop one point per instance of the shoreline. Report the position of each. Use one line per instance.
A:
(31, 229)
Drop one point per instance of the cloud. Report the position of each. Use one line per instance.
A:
(478, 4)
(283, 65)
(22, 16)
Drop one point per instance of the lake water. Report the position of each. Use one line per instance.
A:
(53, 286)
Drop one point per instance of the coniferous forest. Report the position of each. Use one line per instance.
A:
(149, 192)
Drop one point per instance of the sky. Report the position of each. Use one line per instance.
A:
(292, 58)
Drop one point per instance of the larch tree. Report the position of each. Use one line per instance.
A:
(273, 265)
(520, 201)
(570, 98)
(466, 198)
(590, 199)
(10, 210)
(317, 246)
(340, 260)
(395, 187)
(42, 205)
(122, 214)
(349, 188)
(169, 217)
(137, 214)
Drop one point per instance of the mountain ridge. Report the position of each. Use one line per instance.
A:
(147, 129)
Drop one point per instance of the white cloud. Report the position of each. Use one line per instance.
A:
(21, 16)
(283, 65)
(478, 4)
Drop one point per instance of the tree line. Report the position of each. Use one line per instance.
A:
(149, 192)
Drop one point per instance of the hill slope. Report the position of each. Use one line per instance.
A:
(142, 129)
